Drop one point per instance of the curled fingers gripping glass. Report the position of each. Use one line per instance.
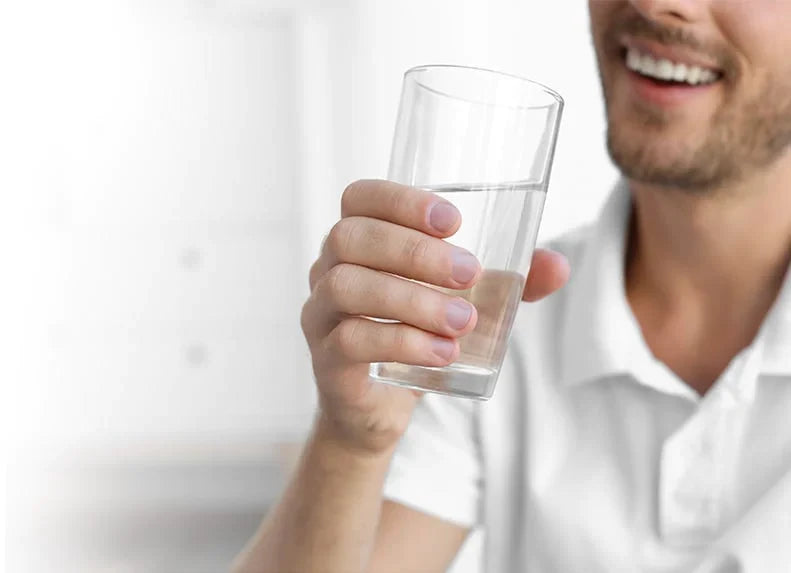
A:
(484, 141)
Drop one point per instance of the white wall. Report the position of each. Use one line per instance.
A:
(162, 221)
(170, 168)
(177, 164)
(545, 41)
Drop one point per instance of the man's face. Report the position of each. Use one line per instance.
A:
(698, 92)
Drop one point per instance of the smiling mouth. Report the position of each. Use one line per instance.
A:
(667, 72)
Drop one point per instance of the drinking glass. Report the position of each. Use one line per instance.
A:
(484, 141)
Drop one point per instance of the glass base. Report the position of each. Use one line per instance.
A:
(458, 380)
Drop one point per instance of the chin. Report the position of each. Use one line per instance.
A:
(666, 162)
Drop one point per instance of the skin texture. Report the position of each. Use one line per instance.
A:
(722, 137)
(709, 245)
(709, 242)
(331, 518)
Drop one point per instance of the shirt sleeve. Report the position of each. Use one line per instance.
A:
(437, 466)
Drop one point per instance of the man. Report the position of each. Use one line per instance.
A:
(641, 421)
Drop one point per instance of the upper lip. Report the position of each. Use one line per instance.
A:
(676, 54)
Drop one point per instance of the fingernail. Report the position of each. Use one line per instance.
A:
(458, 314)
(465, 266)
(443, 348)
(443, 216)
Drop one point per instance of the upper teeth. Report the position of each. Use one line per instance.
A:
(667, 70)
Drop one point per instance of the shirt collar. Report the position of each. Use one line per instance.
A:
(598, 331)
(600, 336)
(776, 333)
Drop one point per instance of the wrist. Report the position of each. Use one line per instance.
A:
(344, 444)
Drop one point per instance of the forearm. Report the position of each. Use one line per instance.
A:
(327, 519)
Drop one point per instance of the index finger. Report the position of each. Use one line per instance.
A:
(402, 205)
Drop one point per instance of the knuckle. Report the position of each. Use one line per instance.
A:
(351, 194)
(345, 336)
(338, 283)
(414, 298)
(314, 274)
(306, 319)
(418, 251)
(398, 199)
(400, 341)
(335, 237)
(340, 236)
(421, 305)
(438, 318)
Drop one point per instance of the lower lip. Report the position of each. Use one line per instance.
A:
(666, 95)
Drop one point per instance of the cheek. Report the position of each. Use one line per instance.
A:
(602, 12)
(603, 15)
(759, 31)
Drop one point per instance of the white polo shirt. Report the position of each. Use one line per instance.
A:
(594, 457)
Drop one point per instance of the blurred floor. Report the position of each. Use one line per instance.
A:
(178, 515)
(175, 509)
(149, 542)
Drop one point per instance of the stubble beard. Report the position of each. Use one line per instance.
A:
(740, 139)
(749, 131)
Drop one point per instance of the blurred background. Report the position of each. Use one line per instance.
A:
(170, 169)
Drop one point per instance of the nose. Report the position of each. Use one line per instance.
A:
(671, 11)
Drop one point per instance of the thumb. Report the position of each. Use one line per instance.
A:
(548, 272)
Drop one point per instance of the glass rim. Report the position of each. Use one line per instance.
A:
(428, 67)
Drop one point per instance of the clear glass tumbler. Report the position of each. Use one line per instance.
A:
(484, 141)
